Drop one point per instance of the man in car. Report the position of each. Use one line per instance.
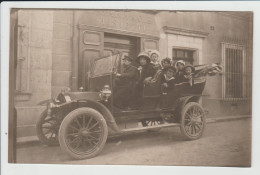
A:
(125, 84)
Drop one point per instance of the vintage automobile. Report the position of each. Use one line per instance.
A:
(80, 122)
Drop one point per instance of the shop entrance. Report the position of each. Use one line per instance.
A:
(95, 44)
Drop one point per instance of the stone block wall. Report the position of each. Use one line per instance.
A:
(35, 39)
(62, 50)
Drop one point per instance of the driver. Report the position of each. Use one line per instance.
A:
(125, 84)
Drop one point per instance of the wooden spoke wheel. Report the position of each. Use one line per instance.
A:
(47, 128)
(83, 133)
(152, 122)
(192, 122)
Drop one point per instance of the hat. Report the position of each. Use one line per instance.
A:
(179, 61)
(145, 55)
(154, 51)
(127, 58)
(189, 65)
(166, 60)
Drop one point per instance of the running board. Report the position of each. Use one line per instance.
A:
(139, 129)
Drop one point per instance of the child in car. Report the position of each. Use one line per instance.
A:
(187, 75)
(168, 80)
(168, 87)
(166, 62)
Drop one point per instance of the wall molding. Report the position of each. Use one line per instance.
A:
(117, 31)
(185, 32)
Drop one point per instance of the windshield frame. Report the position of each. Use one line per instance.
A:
(114, 65)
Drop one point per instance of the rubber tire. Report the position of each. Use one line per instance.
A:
(40, 135)
(183, 112)
(66, 122)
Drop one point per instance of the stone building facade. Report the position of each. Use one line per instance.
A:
(55, 49)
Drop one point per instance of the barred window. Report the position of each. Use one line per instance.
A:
(234, 81)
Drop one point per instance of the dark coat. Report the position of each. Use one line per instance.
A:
(170, 83)
(179, 76)
(130, 74)
(125, 87)
(147, 71)
(169, 94)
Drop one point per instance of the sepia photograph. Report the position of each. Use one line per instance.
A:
(146, 87)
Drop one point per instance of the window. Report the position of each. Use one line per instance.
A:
(183, 54)
(234, 70)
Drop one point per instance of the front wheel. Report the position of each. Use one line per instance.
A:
(47, 128)
(83, 133)
(192, 122)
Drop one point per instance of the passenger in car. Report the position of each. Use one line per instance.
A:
(157, 66)
(168, 80)
(168, 87)
(179, 65)
(186, 77)
(147, 69)
(154, 56)
(166, 62)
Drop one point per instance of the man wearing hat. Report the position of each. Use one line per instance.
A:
(125, 84)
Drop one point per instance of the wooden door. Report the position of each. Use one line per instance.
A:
(126, 45)
(91, 47)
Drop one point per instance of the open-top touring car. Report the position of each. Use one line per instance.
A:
(80, 122)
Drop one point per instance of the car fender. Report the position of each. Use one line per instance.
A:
(44, 102)
(182, 101)
(97, 106)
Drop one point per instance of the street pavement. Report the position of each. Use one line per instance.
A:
(223, 144)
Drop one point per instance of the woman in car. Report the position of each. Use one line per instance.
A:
(147, 71)
(146, 68)
(179, 65)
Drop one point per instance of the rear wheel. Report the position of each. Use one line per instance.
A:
(192, 122)
(83, 133)
(152, 122)
(47, 128)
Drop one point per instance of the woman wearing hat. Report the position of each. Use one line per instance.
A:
(147, 69)
(154, 55)
(147, 72)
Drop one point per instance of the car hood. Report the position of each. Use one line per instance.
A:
(83, 95)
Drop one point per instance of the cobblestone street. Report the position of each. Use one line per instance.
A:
(223, 144)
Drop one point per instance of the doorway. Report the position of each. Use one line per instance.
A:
(127, 45)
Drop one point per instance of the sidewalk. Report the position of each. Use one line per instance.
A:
(23, 140)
